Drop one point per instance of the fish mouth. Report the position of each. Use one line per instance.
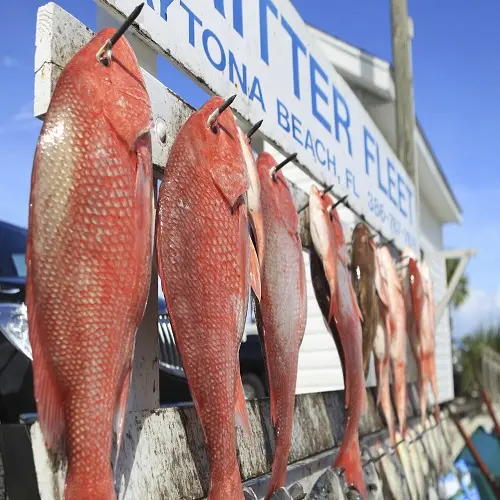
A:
(257, 223)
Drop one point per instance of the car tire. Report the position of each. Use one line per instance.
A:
(253, 386)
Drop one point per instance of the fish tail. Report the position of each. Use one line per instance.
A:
(384, 396)
(349, 459)
(88, 486)
(434, 386)
(399, 372)
(278, 474)
(437, 413)
(423, 395)
(379, 364)
(229, 488)
(283, 433)
(241, 410)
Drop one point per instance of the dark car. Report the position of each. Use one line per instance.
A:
(16, 375)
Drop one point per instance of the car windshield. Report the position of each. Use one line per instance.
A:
(12, 250)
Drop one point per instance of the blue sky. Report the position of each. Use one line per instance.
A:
(456, 77)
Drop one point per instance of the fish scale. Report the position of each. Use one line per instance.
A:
(89, 258)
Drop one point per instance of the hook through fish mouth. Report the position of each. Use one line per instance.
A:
(215, 114)
(105, 53)
(278, 167)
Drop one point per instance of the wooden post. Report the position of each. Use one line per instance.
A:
(403, 79)
(491, 410)
(487, 474)
(145, 385)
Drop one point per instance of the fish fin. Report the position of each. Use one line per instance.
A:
(349, 459)
(121, 411)
(231, 182)
(423, 394)
(144, 218)
(332, 313)
(257, 224)
(380, 372)
(47, 395)
(241, 412)
(364, 400)
(272, 405)
(143, 132)
(334, 306)
(254, 271)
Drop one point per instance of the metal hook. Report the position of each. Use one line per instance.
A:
(281, 165)
(105, 53)
(220, 110)
(325, 191)
(342, 200)
(254, 129)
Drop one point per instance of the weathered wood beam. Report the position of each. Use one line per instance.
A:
(163, 453)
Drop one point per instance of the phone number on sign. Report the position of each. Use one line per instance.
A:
(377, 208)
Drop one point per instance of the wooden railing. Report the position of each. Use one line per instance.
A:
(490, 372)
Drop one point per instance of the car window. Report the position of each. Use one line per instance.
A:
(12, 250)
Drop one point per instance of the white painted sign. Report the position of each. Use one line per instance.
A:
(262, 50)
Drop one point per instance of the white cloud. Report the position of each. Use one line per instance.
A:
(10, 62)
(481, 309)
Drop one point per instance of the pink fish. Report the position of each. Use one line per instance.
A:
(253, 195)
(89, 256)
(282, 311)
(431, 361)
(382, 346)
(397, 319)
(206, 263)
(424, 342)
(336, 297)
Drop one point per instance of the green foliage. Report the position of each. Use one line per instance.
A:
(470, 355)
(462, 291)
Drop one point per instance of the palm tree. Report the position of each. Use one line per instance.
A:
(470, 354)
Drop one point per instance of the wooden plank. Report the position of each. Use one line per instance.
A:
(163, 455)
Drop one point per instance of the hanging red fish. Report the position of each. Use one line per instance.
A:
(329, 263)
(89, 256)
(282, 312)
(206, 263)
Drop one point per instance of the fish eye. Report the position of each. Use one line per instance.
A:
(215, 129)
